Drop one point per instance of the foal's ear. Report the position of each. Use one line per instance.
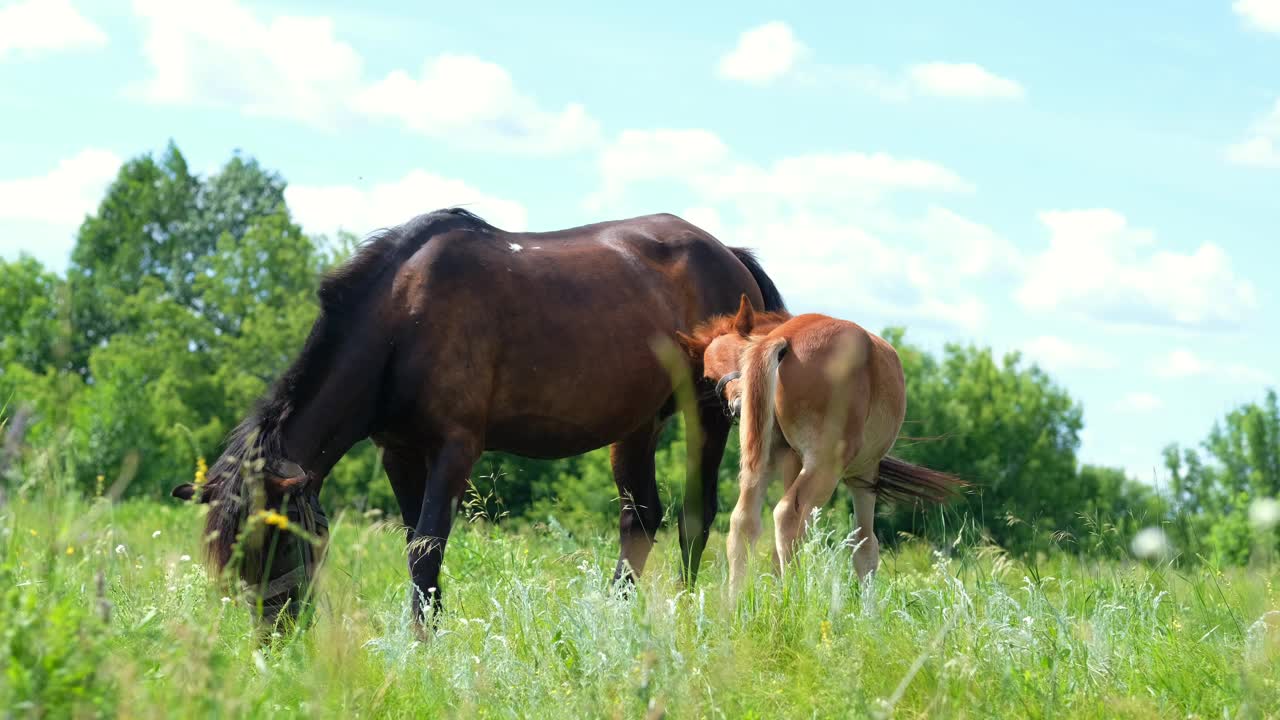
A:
(692, 346)
(745, 320)
(184, 492)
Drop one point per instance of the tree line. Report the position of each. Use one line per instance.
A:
(185, 296)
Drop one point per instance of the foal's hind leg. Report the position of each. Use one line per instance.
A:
(641, 512)
(812, 488)
(866, 556)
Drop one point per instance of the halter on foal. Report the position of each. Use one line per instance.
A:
(822, 401)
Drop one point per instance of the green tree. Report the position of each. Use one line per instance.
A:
(1001, 425)
(1212, 498)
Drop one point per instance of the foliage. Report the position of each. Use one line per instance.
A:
(1213, 498)
(187, 295)
(104, 611)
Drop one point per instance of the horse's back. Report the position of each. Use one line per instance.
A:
(546, 338)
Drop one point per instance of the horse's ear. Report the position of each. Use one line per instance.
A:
(745, 320)
(692, 346)
(286, 486)
(184, 492)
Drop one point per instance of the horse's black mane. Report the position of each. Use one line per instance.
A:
(340, 293)
(389, 248)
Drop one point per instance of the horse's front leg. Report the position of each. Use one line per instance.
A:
(450, 471)
(702, 474)
(641, 511)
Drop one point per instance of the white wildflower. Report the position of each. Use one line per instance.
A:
(121, 549)
(1151, 544)
(1264, 514)
(155, 535)
(185, 558)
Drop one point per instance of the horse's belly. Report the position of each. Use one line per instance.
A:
(543, 437)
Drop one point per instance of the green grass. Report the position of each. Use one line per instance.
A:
(128, 623)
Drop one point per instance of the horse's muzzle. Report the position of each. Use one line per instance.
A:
(732, 407)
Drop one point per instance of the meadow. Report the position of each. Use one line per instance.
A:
(107, 610)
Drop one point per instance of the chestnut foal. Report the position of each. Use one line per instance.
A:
(821, 401)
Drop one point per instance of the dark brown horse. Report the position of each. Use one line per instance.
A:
(446, 337)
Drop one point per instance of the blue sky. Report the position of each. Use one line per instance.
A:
(1092, 183)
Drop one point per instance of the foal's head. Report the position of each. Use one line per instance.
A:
(716, 347)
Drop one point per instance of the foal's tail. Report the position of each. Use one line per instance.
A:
(759, 385)
(900, 480)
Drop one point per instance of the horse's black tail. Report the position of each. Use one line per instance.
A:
(772, 298)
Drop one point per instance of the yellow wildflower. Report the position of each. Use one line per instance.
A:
(33, 532)
(71, 550)
(201, 470)
(274, 518)
(826, 632)
(102, 481)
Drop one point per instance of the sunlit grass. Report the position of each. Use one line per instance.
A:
(108, 609)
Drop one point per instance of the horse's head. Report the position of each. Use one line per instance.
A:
(278, 482)
(253, 501)
(715, 348)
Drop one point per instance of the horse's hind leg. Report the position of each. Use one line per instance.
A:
(702, 475)
(641, 512)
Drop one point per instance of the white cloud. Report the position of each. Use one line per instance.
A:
(1139, 402)
(962, 80)
(64, 195)
(830, 263)
(1098, 266)
(40, 213)
(700, 159)
(969, 248)
(808, 215)
(829, 177)
(707, 218)
(361, 210)
(771, 51)
(1182, 364)
(1261, 14)
(46, 25)
(763, 54)
(217, 52)
(221, 53)
(645, 155)
(1054, 353)
(1261, 148)
(467, 96)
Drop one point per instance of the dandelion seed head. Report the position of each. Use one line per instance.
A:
(1150, 544)
(1264, 513)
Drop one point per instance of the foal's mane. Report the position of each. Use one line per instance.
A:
(714, 327)
(341, 294)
